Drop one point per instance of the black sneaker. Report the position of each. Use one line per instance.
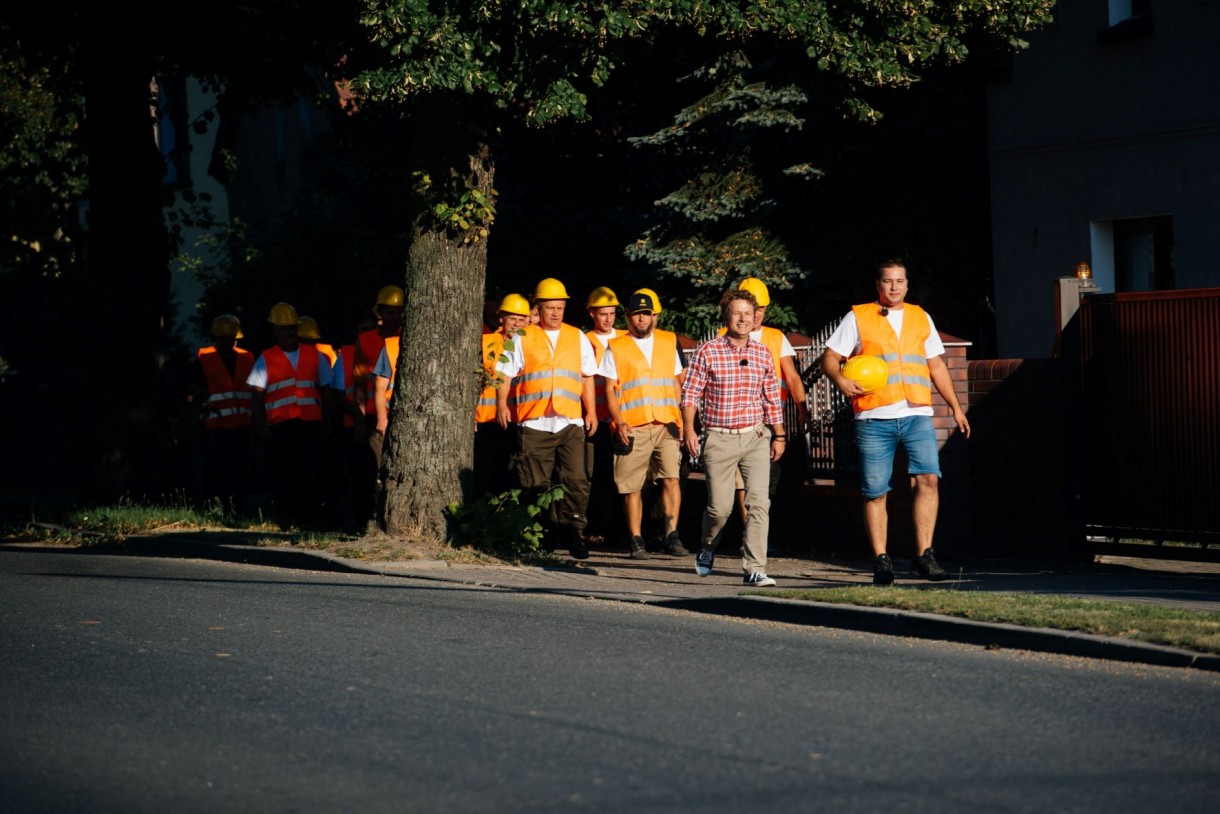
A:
(704, 561)
(639, 551)
(578, 549)
(928, 568)
(758, 580)
(883, 570)
(673, 545)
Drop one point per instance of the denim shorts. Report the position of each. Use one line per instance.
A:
(878, 440)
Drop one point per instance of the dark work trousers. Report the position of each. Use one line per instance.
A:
(296, 463)
(226, 467)
(362, 471)
(605, 510)
(493, 449)
(542, 453)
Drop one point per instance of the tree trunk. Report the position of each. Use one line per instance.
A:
(430, 440)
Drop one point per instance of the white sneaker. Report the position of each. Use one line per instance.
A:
(759, 580)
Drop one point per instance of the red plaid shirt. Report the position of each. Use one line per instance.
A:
(734, 387)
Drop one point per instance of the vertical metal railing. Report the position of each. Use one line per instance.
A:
(1150, 415)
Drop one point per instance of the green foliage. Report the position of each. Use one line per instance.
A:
(493, 378)
(469, 219)
(42, 167)
(502, 525)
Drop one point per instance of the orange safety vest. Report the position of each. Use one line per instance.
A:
(370, 344)
(493, 346)
(599, 383)
(347, 360)
(908, 377)
(648, 391)
(326, 350)
(548, 381)
(228, 405)
(292, 393)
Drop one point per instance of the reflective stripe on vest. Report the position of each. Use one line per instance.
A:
(493, 345)
(599, 383)
(292, 393)
(647, 389)
(548, 381)
(228, 404)
(907, 368)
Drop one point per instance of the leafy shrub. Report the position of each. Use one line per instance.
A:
(503, 525)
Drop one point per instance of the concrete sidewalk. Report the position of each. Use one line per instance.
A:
(671, 582)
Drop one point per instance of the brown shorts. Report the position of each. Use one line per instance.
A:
(655, 453)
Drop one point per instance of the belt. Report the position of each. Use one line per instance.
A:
(738, 431)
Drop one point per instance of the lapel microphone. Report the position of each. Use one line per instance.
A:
(885, 312)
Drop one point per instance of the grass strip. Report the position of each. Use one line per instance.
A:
(1176, 627)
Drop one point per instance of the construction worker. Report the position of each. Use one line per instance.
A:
(604, 518)
(288, 380)
(370, 344)
(643, 392)
(355, 506)
(551, 399)
(223, 368)
(791, 386)
(493, 443)
(308, 332)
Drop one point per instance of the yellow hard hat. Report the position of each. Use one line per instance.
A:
(393, 296)
(283, 314)
(514, 304)
(870, 372)
(308, 329)
(758, 288)
(550, 289)
(656, 301)
(227, 326)
(601, 297)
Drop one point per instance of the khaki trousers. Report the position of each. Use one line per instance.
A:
(723, 456)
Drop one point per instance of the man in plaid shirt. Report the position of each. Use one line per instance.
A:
(731, 381)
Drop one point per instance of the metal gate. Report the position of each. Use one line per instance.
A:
(1149, 421)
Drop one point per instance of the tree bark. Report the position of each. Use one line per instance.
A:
(430, 440)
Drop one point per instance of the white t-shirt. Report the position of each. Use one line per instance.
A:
(845, 341)
(609, 368)
(785, 349)
(258, 375)
(514, 361)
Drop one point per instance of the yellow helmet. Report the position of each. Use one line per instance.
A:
(550, 289)
(870, 372)
(283, 315)
(758, 288)
(392, 295)
(601, 297)
(656, 302)
(308, 329)
(514, 304)
(227, 326)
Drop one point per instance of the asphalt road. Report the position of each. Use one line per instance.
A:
(132, 684)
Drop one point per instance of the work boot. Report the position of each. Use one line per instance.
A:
(883, 570)
(639, 550)
(927, 567)
(673, 545)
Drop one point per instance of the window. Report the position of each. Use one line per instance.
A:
(1121, 10)
(1133, 254)
(1143, 254)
